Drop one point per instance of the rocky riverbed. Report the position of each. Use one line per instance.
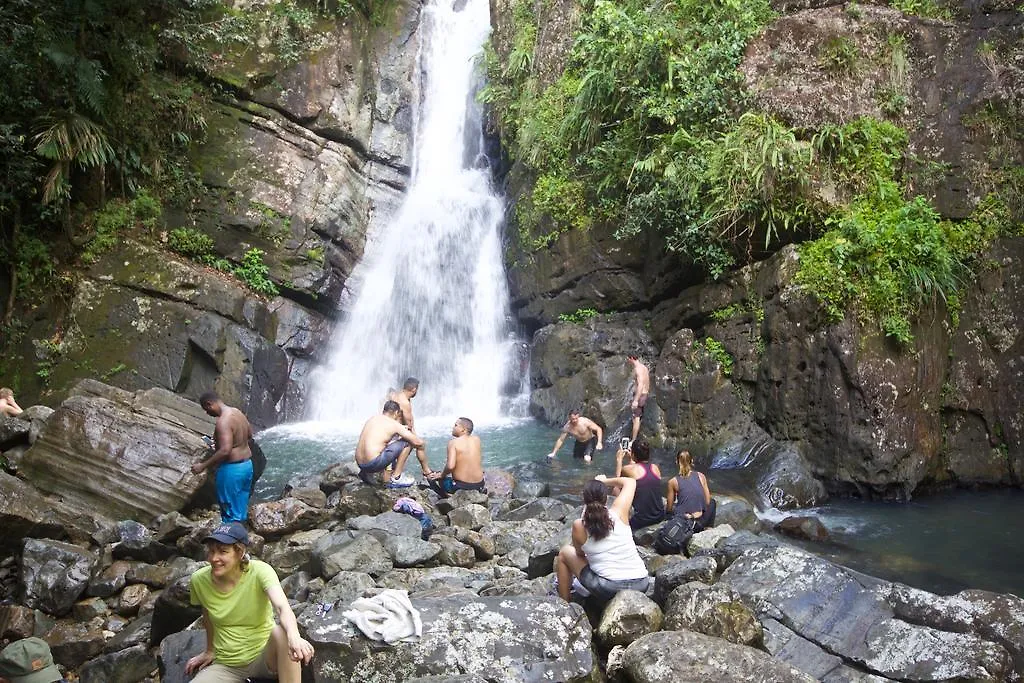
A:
(110, 594)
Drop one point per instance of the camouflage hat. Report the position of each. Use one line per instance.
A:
(29, 661)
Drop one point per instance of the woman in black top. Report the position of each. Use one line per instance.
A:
(688, 494)
(648, 504)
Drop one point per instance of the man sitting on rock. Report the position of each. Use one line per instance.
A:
(28, 661)
(8, 406)
(232, 457)
(588, 434)
(385, 442)
(464, 469)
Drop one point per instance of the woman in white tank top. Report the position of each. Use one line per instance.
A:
(602, 553)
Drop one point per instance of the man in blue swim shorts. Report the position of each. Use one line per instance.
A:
(232, 457)
(463, 468)
(386, 442)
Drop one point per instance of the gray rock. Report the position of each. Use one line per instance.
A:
(137, 632)
(683, 571)
(327, 545)
(54, 574)
(345, 586)
(73, 643)
(499, 483)
(527, 490)
(16, 622)
(806, 527)
(151, 575)
(410, 552)
(737, 513)
(13, 457)
(628, 616)
(714, 611)
(25, 512)
(547, 509)
(131, 599)
(520, 535)
(110, 581)
(136, 542)
(173, 611)
(482, 545)
(175, 651)
(465, 497)
(37, 415)
(126, 666)
(362, 500)
(391, 523)
(365, 553)
(172, 526)
(13, 431)
(798, 652)
(536, 638)
(141, 466)
(832, 608)
(90, 608)
(294, 553)
(470, 516)
(745, 541)
(543, 553)
(708, 539)
(453, 552)
(285, 516)
(310, 495)
(690, 656)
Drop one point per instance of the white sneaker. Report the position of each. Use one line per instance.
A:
(402, 482)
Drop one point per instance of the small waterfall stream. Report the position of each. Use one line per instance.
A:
(433, 301)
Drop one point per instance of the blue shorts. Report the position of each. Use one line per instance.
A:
(387, 457)
(450, 485)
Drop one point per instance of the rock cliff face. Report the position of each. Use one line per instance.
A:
(748, 368)
(304, 160)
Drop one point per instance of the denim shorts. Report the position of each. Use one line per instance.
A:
(605, 589)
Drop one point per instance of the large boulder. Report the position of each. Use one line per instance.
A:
(120, 454)
(714, 611)
(690, 656)
(504, 638)
(628, 616)
(54, 574)
(130, 665)
(831, 607)
(25, 512)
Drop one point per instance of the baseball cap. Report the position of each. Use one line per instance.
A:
(229, 533)
(29, 661)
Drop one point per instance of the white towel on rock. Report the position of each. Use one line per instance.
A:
(388, 616)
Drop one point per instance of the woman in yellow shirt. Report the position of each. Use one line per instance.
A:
(239, 597)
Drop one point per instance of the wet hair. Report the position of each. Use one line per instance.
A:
(411, 383)
(596, 519)
(685, 462)
(632, 357)
(391, 407)
(208, 398)
(5, 392)
(574, 411)
(641, 450)
(466, 423)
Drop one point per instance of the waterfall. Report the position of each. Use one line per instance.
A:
(433, 302)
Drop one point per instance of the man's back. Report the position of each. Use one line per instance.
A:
(468, 459)
(376, 433)
(234, 422)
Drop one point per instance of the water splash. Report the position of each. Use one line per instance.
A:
(433, 300)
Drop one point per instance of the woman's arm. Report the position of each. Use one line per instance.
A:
(707, 491)
(579, 537)
(201, 661)
(670, 496)
(623, 501)
(298, 648)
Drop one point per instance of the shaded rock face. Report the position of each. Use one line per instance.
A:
(584, 367)
(846, 615)
(54, 574)
(950, 80)
(303, 161)
(533, 638)
(119, 454)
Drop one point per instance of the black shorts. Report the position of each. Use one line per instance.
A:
(584, 448)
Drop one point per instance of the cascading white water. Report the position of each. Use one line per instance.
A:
(433, 301)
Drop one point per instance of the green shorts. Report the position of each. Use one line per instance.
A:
(220, 673)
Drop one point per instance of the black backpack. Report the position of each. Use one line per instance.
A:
(672, 536)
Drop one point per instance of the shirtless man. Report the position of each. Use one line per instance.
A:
(231, 456)
(464, 469)
(642, 377)
(386, 442)
(8, 406)
(404, 400)
(588, 434)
